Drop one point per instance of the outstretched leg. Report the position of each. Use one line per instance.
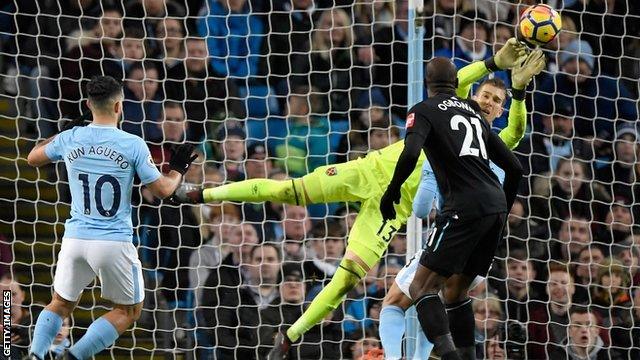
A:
(351, 270)
(290, 191)
(327, 184)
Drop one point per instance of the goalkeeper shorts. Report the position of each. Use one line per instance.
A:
(358, 180)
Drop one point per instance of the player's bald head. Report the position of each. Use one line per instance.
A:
(442, 76)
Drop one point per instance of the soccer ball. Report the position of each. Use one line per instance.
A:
(539, 24)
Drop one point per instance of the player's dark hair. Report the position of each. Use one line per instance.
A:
(442, 76)
(102, 90)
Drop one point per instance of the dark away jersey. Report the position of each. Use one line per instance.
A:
(455, 141)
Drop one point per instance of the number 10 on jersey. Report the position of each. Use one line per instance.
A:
(97, 190)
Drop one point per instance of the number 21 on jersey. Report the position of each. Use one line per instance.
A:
(467, 148)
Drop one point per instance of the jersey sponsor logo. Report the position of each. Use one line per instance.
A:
(411, 119)
(332, 171)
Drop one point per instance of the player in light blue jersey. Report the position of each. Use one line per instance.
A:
(491, 96)
(101, 161)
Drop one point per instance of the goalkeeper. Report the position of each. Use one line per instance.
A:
(362, 180)
(491, 96)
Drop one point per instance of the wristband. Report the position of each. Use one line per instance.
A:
(490, 63)
(518, 94)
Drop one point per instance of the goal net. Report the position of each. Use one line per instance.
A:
(278, 89)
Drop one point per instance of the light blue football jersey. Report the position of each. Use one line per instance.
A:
(101, 162)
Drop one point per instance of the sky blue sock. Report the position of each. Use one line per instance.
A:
(100, 335)
(423, 346)
(47, 326)
(391, 331)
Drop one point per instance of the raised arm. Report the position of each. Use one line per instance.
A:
(521, 76)
(468, 75)
(511, 54)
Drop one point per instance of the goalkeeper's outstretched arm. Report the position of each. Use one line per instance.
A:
(511, 54)
(521, 76)
(524, 67)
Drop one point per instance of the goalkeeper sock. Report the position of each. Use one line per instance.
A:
(100, 335)
(47, 326)
(391, 331)
(433, 319)
(258, 190)
(346, 277)
(462, 327)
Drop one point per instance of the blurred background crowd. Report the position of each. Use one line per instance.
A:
(274, 89)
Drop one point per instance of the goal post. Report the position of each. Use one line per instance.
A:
(415, 92)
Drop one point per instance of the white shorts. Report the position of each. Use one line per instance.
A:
(408, 272)
(115, 263)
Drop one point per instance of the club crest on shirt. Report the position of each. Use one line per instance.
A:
(332, 171)
(410, 119)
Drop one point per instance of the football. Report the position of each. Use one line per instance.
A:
(539, 24)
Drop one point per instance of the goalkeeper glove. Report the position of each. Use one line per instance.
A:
(188, 194)
(181, 158)
(511, 54)
(79, 121)
(522, 73)
(387, 209)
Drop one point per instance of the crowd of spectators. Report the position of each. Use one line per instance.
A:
(275, 89)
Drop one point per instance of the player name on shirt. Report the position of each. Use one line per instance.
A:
(454, 102)
(107, 152)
